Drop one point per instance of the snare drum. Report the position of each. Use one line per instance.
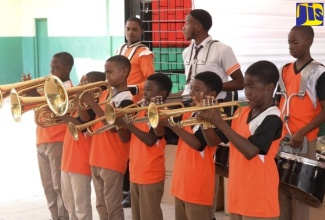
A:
(301, 178)
(221, 160)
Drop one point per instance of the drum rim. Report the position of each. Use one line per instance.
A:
(303, 160)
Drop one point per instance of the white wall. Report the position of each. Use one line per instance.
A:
(10, 18)
(258, 29)
(65, 17)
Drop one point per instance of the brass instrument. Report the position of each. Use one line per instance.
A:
(64, 100)
(20, 87)
(111, 114)
(76, 94)
(74, 129)
(133, 110)
(154, 113)
(55, 99)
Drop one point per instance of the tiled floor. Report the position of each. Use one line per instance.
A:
(21, 192)
(34, 208)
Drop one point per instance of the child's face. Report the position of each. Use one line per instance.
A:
(58, 68)
(151, 89)
(114, 75)
(200, 90)
(299, 45)
(255, 91)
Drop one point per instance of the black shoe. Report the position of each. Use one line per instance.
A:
(127, 201)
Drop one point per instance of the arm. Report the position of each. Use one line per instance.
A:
(146, 64)
(237, 82)
(297, 138)
(259, 143)
(187, 137)
(148, 138)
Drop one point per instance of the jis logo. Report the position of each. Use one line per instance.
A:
(310, 14)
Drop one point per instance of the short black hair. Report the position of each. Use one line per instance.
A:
(95, 76)
(211, 80)
(265, 71)
(162, 81)
(138, 20)
(307, 31)
(66, 58)
(203, 17)
(121, 61)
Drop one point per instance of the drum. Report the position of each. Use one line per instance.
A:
(301, 178)
(221, 159)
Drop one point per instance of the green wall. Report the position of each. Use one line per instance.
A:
(17, 54)
(11, 60)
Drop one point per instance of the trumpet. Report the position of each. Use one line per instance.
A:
(21, 87)
(69, 100)
(75, 129)
(52, 85)
(113, 113)
(154, 113)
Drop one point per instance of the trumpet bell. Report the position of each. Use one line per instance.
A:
(153, 115)
(56, 95)
(20, 105)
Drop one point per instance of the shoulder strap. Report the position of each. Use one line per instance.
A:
(206, 52)
(135, 49)
(119, 51)
(305, 73)
(281, 83)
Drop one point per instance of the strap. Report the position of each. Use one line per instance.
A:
(119, 51)
(305, 73)
(281, 82)
(206, 52)
(134, 48)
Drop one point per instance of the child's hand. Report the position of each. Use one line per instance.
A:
(120, 121)
(163, 121)
(25, 77)
(210, 115)
(296, 140)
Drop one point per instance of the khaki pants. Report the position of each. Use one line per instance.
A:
(240, 217)
(216, 189)
(190, 211)
(76, 193)
(109, 193)
(145, 200)
(291, 209)
(49, 157)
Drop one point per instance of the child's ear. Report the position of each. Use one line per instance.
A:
(270, 87)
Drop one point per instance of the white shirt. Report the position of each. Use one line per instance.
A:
(220, 60)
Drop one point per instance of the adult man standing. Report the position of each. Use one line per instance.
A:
(206, 54)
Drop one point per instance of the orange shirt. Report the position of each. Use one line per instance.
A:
(75, 156)
(300, 116)
(142, 66)
(194, 173)
(54, 133)
(147, 163)
(253, 184)
(107, 149)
